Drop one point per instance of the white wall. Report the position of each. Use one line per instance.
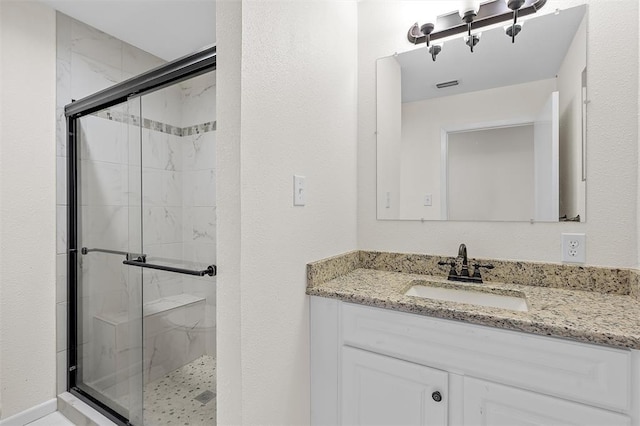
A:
(28, 193)
(490, 174)
(422, 124)
(1, 204)
(297, 116)
(228, 189)
(612, 151)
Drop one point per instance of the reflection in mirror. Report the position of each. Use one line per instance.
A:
(502, 141)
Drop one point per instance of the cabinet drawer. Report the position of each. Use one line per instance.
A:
(595, 375)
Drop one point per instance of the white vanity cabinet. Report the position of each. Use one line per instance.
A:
(372, 366)
(380, 390)
(487, 403)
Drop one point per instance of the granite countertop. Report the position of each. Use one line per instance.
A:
(585, 316)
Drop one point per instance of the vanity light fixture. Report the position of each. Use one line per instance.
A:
(513, 29)
(514, 5)
(472, 40)
(434, 50)
(427, 29)
(468, 12)
(472, 16)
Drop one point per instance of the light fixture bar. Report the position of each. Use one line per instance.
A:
(491, 13)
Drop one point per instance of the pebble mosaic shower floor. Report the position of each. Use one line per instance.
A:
(171, 400)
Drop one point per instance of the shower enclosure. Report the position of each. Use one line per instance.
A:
(141, 232)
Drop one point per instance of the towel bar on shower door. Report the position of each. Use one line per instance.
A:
(141, 263)
(126, 254)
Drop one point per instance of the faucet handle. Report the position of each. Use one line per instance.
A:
(476, 269)
(452, 263)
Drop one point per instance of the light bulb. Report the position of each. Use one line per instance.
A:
(469, 7)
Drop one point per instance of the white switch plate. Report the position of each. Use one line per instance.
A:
(427, 200)
(574, 248)
(299, 191)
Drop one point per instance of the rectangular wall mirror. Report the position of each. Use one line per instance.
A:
(503, 140)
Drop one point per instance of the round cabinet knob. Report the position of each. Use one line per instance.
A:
(437, 397)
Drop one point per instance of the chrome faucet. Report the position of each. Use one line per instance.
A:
(464, 275)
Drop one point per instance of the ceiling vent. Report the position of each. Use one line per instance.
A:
(447, 84)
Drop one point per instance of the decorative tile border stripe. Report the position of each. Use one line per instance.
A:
(157, 125)
(199, 128)
(586, 278)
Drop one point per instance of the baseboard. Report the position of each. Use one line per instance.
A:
(32, 414)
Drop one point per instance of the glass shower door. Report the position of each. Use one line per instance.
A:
(179, 231)
(109, 231)
(145, 272)
(141, 246)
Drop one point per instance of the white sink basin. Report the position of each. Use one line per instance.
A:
(462, 294)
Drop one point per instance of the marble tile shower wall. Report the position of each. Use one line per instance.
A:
(178, 175)
(199, 197)
(179, 194)
(162, 174)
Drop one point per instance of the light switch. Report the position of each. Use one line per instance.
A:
(427, 199)
(299, 191)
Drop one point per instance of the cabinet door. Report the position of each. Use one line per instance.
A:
(380, 390)
(487, 403)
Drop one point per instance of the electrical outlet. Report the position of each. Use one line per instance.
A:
(574, 248)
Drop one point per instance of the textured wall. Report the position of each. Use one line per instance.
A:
(228, 189)
(612, 149)
(297, 116)
(28, 193)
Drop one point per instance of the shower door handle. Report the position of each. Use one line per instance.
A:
(211, 269)
(126, 254)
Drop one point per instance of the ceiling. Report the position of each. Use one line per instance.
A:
(536, 55)
(168, 29)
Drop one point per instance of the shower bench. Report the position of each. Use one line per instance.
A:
(174, 334)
